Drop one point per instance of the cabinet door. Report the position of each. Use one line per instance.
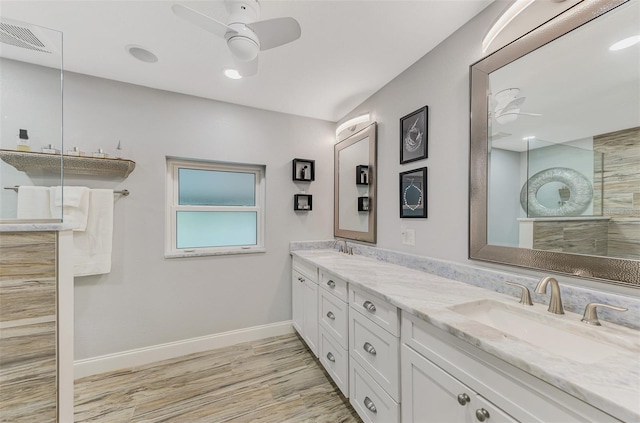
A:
(297, 301)
(430, 394)
(310, 311)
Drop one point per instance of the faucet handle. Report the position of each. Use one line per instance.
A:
(591, 315)
(525, 297)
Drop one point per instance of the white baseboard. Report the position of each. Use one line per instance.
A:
(142, 356)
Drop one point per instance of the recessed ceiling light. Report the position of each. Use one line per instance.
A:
(142, 54)
(232, 73)
(627, 42)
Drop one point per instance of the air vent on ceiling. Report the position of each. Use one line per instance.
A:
(21, 36)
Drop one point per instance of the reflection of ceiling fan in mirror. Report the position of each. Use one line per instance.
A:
(244, 35)
(506, 106)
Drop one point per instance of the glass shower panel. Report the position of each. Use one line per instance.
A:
(31, 104)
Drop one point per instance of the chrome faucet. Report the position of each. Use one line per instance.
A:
(555, 302)
(344, 249)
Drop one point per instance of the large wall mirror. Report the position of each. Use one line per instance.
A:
(355, 186)
(555, 147)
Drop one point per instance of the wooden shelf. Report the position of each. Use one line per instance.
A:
(31, 162)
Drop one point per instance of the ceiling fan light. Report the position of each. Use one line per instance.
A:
(243, 48)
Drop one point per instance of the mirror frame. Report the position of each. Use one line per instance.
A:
(604, 269)
(370, 235)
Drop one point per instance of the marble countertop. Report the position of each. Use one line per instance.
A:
(611, 384)
(22, 226)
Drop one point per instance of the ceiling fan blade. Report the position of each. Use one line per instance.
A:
(201, 20)
(529, 114)
(511, 105)
(249, 68)
(276, 32)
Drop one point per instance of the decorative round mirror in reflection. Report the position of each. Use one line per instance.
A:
(558, 191)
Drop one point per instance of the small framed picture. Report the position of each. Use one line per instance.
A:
(413, 193)
(414, 136)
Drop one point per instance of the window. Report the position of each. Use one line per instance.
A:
(214, 208)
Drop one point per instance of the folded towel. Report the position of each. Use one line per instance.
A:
(92, 248)
(72, 203)
(33, 203)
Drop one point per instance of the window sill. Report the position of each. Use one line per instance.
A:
(215, 253)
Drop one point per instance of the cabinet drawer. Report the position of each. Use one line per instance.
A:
(335, 360)
(334, 317)
(377, 351)
(433, 395)
(307, 270)
(335, 285)
(368, 398)
(518, 393)
(384, 314)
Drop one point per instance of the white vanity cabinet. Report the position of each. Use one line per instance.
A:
(374, 357)
(445, 379)
(334, 329)
(433, 395)
(304, 293)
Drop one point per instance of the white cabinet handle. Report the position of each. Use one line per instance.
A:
(369, 306)
(482, 414)
(463, 399)
(331, 283)
(331, 316)
(370, 405)
(330, 357)
(369, 348)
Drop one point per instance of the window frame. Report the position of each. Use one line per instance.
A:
(172, 206)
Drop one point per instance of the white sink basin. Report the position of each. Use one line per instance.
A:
(539, 330)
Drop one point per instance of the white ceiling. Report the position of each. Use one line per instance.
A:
(580, 87)
(348, 49)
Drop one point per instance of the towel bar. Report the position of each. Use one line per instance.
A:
(123, 192)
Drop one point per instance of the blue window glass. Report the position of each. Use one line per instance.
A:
(198, 187)
(200, 229)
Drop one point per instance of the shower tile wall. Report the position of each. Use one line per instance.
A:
(28, 363)
(621, 190)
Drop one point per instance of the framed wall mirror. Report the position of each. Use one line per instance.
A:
(555, 147)
(355, 165)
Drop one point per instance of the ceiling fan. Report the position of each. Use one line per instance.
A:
(507, 106)
(245, 36)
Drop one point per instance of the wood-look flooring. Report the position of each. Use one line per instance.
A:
(270, 380)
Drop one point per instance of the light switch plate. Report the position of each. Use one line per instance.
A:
(408, 235)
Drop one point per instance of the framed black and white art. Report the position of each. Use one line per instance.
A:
(413, 193)
(414, 136)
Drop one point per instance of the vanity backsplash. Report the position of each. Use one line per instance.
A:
(574, 298)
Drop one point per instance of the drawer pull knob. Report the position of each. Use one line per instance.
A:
(331, 316)
(330, 357)
(369, 306)
(463, 399)
(331, 283)
(301, 279)
(482, 414)
(370, 405)
(369, 348)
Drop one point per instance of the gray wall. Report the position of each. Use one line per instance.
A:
(440, 80)
(147, 299)
(504, 198)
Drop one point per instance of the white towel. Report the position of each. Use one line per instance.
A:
(33, 203)
(92, 248)
(72, 203)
